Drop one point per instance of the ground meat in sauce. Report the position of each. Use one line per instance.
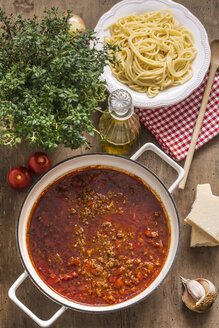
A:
(98, 236)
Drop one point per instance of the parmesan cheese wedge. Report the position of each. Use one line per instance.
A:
(203, 189)
(199, 238)
(204, 218)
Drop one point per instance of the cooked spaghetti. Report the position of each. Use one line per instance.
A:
(155, 51)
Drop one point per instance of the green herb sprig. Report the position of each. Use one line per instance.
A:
(49, 81)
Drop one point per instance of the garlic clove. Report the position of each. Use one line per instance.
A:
(199, 294)
(211, 294)
(194, 288)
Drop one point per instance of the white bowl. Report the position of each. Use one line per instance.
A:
(200, 65)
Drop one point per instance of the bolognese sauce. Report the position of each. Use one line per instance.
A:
(98, 236)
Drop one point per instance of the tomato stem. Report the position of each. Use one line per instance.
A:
(41, 160)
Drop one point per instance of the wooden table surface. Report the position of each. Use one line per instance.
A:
(164, 307)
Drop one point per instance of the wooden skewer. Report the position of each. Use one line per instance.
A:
(213, 68)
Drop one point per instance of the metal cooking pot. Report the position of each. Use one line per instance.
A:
(77, 162)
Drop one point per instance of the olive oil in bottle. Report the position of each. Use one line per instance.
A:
(119, 124)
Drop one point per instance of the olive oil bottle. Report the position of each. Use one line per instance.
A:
(119, 124)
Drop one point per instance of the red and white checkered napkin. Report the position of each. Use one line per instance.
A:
(173, 126)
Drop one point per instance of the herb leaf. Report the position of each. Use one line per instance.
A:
(49, 81)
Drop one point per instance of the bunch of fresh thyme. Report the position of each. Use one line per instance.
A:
(49, 81)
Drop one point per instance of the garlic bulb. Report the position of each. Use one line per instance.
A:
(199, 294)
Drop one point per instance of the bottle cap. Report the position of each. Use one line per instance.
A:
(120, 104)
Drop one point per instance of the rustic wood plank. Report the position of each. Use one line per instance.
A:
(164, 307)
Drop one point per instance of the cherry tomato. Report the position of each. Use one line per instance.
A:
(19, 177)
(39, 163)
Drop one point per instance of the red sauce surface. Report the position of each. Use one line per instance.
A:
(98, 236)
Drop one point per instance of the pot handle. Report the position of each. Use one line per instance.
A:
(167, 159)
(13, 297)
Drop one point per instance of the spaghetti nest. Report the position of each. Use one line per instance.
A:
(156, 52)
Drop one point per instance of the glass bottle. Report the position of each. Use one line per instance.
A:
(119, 124)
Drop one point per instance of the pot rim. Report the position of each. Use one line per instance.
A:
(87, 307)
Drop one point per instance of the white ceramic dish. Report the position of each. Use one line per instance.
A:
(201, 63)
(74, 163)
